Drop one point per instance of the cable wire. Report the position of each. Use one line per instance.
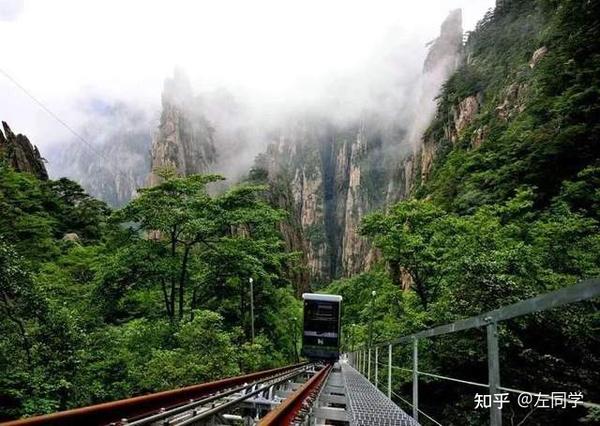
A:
(54, 116)
(419, 410)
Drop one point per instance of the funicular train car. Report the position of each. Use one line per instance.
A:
(322, 326)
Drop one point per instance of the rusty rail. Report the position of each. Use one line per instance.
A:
(115, 411)
(286, 412)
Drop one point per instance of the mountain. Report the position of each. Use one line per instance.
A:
(185, 138)
(329, 175)
(325, 170)
(521, 111)
(208, 132)
(116, 161)
(20, 154)
(504, 205)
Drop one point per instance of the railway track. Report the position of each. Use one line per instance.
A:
(294, 409)
(272, 397)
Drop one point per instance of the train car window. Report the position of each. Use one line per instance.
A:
(324, 311)
(321, 317)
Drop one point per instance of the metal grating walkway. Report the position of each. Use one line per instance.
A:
(368, 406)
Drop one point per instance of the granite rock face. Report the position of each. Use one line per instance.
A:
(336, 174)
(442, 56)
(323, 171)
(21, 154)
(326, 173)
(184, 140)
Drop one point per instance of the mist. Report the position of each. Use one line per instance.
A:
(254, 64)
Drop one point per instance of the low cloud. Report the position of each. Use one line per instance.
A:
(10, 9)
(266, 59)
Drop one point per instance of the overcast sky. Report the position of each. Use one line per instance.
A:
(66, 51)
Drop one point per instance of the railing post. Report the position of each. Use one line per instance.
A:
(493, 372)
(369, 365)
(415, 388)
(360, 362)
(376, 367)
(364, 362)
(390, 371)
(363, 359)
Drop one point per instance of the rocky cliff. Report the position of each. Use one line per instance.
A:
(184, 140)
(334, 174)
(325, 171)
(516, 108)
(21, 154)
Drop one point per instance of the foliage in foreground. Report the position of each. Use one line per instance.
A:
(455, 266)
(148, 298)
(500, 222)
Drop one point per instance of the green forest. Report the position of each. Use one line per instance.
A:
(513, 218)
(99, 304)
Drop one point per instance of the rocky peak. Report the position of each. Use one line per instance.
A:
(21, 154)
(333, 174)
(184, 140)
(443, 50)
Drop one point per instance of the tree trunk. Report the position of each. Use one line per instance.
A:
(173, 283)
(421, 292)
(193, 303)
(184, 263)
(166, 299)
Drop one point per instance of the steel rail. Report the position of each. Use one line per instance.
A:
(211, 398)
(144, 405)
(216, 410)
(285, 412)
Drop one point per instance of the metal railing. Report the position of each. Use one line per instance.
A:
(361, 359)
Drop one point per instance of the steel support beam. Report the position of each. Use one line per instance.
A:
(376, 366)
(389, 394)
(415, 389)
(369, 365)
(493, 372)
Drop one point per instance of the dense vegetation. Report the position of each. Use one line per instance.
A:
(499, 222)
(99, 305)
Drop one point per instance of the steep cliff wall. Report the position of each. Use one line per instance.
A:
(184, 140)
(332, 180)
(21, 154)
(520, 112)
(327, 172)
(335, 174)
